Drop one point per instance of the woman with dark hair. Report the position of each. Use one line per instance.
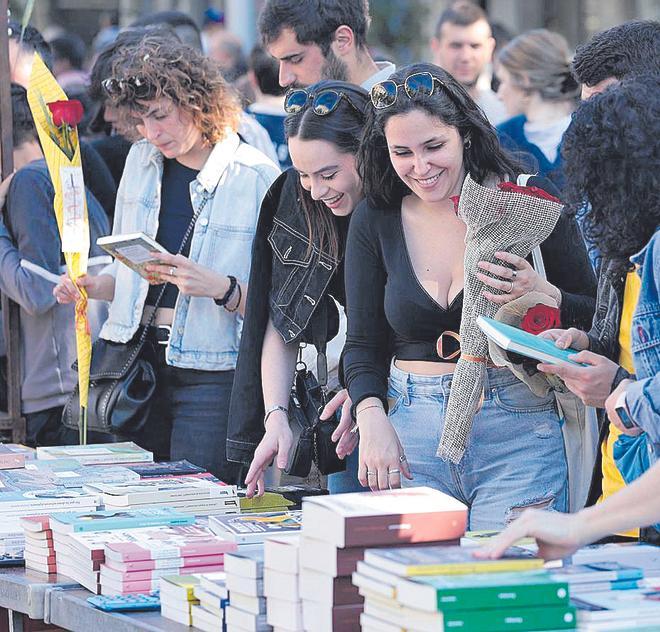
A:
(195, 187)
(404, 287)
(297, 271)
(612, 158)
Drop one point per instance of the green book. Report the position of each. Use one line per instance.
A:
(447, 593)
(504, 619)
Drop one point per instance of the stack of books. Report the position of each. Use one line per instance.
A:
(245, 572)
(39, 549)
(281, 581)
(196, 496)
(618, 610)
(79, 538)
(213, 597)
(444, 588)
(599, 576)
(136, 559)
(97, 453)
(337, 530)
(73, 473)
(254, 528)
(177, 597)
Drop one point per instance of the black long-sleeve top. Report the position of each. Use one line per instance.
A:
(390, 313)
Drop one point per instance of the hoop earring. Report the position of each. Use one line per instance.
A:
(467, 144)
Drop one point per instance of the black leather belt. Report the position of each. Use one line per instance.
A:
(160, 334)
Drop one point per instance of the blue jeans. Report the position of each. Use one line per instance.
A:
(347, 481)
(188, 419)
(515, 455)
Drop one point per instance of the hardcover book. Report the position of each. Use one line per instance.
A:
(75, 522)
(134, 250)
(447, 560)
(97, 453)
(254, 528)
(418, 514)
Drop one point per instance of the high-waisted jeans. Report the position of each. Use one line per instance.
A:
(515, 456)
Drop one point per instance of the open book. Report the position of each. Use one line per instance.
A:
(519, 341)
(133, 250)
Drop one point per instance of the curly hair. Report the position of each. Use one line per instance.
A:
(342, 128)
(628, 48)
(483, 156)
(613, 160)
(539, 61)
(180, 73)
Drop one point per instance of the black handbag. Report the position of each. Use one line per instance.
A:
(122, 378)
(312, 437)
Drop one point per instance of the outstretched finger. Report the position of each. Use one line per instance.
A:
(333, 405)
(394, 478)
(345, 422)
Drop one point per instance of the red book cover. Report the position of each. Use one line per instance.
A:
(36, 523)
(417, 514)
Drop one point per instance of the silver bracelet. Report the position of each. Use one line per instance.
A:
(272, 409)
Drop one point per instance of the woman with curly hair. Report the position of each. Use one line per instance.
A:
(612, 156)
(404, 293)
(194, 186)
(539, 94)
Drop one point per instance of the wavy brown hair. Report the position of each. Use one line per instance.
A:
(167, 68)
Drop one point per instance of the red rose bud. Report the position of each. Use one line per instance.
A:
(540, 318)
(68, 112)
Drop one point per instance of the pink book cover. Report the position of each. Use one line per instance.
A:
(12, 456)
(36, 523)
(110, 575)
(170, 564)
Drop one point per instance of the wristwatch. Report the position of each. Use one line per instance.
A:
(272, 409)
(621, 409)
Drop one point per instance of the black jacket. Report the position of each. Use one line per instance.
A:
(291, 283)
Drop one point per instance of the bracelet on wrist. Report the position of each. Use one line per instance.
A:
(227, 295)
(238, 302)
(357, 412)
(273, 409)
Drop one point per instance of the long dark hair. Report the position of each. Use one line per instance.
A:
(612, 161)
(343, 128)
(482, 155)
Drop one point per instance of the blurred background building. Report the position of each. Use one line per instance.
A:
(400, 28)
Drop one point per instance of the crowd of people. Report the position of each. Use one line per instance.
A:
(311, 188)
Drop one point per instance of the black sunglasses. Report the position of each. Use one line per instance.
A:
(384, 93)
(131, 87)
(324, 102)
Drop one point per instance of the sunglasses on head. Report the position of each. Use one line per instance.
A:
(131, 87)
(323, 102)
(384, 93)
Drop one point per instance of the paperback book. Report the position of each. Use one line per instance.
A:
(75, 522)
(97, 453)
(255, 528)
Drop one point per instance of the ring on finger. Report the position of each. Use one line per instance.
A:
(510, 288)
(514, 274)
(393, 471)
(172, 271)
(370, 473)
(402, 458)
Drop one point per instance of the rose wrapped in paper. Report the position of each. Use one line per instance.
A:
(540, 318)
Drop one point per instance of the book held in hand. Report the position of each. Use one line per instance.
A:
(133, 250)
(519, 341)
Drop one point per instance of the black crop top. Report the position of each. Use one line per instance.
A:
(391, 315)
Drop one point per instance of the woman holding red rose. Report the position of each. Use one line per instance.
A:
(404, 285)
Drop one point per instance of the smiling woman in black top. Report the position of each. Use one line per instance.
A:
(404, 281)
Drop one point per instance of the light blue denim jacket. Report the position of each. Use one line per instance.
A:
(204, 336)
(643, 396)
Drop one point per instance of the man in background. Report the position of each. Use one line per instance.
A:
(321, 39)
(463, 45)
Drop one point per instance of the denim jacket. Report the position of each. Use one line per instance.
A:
(297, 280)
(236, 177)
(643, 396)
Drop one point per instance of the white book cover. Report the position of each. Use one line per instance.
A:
(281, 553)
(133, 250)
(97, 453)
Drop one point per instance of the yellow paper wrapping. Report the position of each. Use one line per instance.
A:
(70, 205)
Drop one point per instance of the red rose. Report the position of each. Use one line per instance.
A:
(540, 318)
(510, 187)
(68, 112)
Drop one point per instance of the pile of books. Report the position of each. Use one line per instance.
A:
(196, 496)
(443, 588)
(247, 604)
(281, 583)
(254, 528)
(97, 453)
(337, 530)
(213, 598)
(39, 548)
(177, 597)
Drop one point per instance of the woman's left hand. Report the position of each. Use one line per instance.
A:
(191, 278)
(514, 282)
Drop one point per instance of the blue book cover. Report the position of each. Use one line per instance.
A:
(514, 339)
(119, 519)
